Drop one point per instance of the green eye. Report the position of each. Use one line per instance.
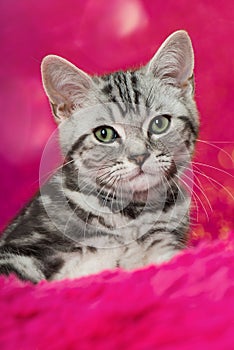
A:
(159, 124)
(105, 134)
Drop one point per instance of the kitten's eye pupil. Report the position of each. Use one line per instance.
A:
(159, 124)
(105, 134)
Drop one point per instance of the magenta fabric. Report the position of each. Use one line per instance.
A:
(185, 304)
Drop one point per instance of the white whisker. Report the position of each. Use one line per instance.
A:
(194, 193)
(217, 147)
(200, 189)
(215, 168)
(218, 183)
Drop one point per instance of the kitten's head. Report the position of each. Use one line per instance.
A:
(127, 131)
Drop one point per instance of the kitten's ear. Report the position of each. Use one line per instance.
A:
(174, 61)
(65, 85)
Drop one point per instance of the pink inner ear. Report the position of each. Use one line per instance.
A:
(60, 76)
(64, 84)
(174, 59)
(185, 76)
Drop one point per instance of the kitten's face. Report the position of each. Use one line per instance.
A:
(130, 154)
(136, 130)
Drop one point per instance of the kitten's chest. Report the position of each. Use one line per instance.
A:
(92, 260)
(129, 256)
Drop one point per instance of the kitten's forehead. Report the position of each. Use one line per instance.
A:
(110, 113)
(135, 96)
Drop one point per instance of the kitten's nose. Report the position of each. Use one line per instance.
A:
(139, 158)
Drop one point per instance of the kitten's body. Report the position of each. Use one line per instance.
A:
(118, 203)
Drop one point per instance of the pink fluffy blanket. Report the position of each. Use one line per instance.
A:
(187, 303)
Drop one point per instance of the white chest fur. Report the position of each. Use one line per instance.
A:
(129, 257)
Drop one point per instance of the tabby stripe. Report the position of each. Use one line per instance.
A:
(123, 85)
(27, 260)
(91, 249)
(156, 241)
(87, 216)
(29, 268)
(132, 210)
(77, 144)
(134, 81)
(7, 269)
(70, 174)
(128, 96)
(137, 95)
(149, 98)
(117, 81)
(107, 89)
(151, 232)
(80, 212)
(180, 236)
(189, 124)
(123, 90)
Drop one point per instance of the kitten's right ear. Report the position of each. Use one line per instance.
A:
(174, 61)
(65, 85)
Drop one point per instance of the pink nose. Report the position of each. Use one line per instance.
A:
(139, 158)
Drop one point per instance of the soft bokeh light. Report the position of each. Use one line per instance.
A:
(102, 36)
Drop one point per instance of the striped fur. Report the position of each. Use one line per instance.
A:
(116, 204)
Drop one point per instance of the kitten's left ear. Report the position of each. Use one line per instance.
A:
(174, 61)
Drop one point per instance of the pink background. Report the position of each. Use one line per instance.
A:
(102, 36)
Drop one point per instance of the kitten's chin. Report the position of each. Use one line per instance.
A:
(141, 182)
(140, 188)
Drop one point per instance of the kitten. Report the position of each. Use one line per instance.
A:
(118, 200)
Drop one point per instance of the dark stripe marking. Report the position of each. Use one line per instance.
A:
(148, 234)
(189, 124)
(8, 269)
(107, 90)
(77, 144)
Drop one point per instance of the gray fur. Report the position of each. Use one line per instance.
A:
(119, 204)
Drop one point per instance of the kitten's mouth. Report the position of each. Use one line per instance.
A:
(132, 175)
(140, 173)
(139, 181)
(135, 181)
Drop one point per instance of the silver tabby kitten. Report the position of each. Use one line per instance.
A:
(118, 199)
